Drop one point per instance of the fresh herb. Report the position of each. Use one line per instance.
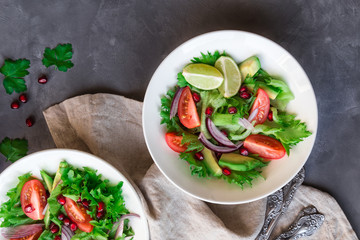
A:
(13, 149)
(192, 142)
(208, 58)
(243, 178)
(14, 72)
(197, 168)
(172, 125)
(46, 235)
(60, 57)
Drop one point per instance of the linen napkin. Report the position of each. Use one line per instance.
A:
(109, 126)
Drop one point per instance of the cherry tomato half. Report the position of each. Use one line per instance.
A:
(77, 214)
(262, 102)
(174, 142)
(33, 199)
(187, 112)
(267, 147)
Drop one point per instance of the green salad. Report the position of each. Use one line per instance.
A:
(228, 120)
(73, 204)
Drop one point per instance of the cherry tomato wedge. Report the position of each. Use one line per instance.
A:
(266, 147)
(174, 142)
(77, 213)
(33, 199)
(31, 237)
(187, 112)
(262, 102)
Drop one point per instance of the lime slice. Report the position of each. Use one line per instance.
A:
(232, 76)
(203, 76)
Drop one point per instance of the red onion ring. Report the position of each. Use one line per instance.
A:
(217, 134)
(66, 233)
(246, 123)
(216, 148)
(253, 115)
(175, 103)
(120, 229)
(21, 231)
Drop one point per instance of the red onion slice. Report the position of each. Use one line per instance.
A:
(217, 134)
(216, 148)
(253, 115)
(66, 233)
(120, 229)
(246, 123)
(21, 231)
(175, 103)
(45, 208)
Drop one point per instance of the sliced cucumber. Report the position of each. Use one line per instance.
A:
(249, 66)
(211, 162)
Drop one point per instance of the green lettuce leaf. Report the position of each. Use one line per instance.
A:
(172, 125)
(208, 58)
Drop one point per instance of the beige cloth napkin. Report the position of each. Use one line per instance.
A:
(109, 126)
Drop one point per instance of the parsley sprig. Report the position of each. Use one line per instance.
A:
(60, 57)
(14, 72)
(13, 149)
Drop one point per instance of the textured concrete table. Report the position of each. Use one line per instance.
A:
(119, 43)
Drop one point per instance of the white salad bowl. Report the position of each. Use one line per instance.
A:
(49, 160)
(239, 45)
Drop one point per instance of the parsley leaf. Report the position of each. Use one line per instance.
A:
(14, 71)
(59, 56)
(242, 178)
(196, 167)
(208, 58)
(192, 142)
(13, 149)
(172, 125)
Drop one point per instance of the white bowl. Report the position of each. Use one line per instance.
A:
(49, 160)
(240, 45)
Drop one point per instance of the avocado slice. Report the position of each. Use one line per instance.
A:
(249, 66)
(48, 180)
(211, 162)
(57, 178)
(271, 92)
(239, 162)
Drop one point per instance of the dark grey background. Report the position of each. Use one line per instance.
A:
(119, 44)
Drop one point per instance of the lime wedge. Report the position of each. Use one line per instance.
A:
(203, 76)
(232, 76)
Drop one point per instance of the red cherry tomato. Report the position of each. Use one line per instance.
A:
(262, 102)
(174, 142)
(33, 199)
(266, 147)
(77, 214)
(187, 112)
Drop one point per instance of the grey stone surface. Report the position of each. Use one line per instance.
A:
(119, 44)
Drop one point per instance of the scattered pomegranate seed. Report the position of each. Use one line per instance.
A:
(196, 97)
(29, 122)
(224, 132)
(67, 222)
(61, 216)
(73, 227)
(209, 111)
(244, 151)
(232, 110)
(270, 116)
(42, 80)
(29, 208)
(199, 156)
(57, 237)
(101, 206)
(226, 171)
(54, 228)
(99, 215)
(23, 98)
(245, 95)
(243, 89)
(85, 203)
(15, 105)
(61, 199)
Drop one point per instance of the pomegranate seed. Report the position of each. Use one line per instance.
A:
(57, 237)
(218, 155)
(226, 171)
(61, 199)
(61, 216)
(99, 215)
(101, 206)
(73, 227)
(270, 116)
(244, 151)
(23, 98)
(196, 97)
(199, 156)
(243, 89)
(54, 228)
(79, 200)
(224, 132)
(15, 105)
(85, 203)
(29, 208)
(42, 80)
(209, 111)
(232, 110)
(67, 222)
(29, 122)
(245, 95)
